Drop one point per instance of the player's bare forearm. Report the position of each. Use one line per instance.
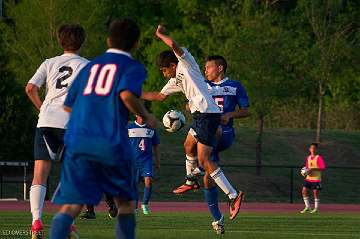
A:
(32, 92)
(242, 113)
(160, 33)
(153, 96)
(135, 106)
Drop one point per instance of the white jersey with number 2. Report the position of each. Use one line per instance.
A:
(57, 74)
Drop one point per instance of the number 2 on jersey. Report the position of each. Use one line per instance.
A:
(142, 145)
(104, 80)
(59, 81)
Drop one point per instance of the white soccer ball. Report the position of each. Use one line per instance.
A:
(173, 121)
(304, 171)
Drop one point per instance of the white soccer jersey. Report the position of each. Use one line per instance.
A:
(57, 74)
(191, 82)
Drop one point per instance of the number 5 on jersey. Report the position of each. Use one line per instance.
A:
(102, 77)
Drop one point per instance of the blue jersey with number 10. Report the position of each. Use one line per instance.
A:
(97, 126)
(142, 139)
(227, 95)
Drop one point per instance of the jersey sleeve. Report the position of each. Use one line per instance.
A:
(133, 79)
(242, 97)
(187, 59)
(73, 91)
(40, 75)
(171, 87)
(321, 163)
(155, 139)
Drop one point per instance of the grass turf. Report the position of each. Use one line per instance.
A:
(197, 225)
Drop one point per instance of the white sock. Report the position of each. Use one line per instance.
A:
(190, 165)
(220, 179)
(306, 201)
(37, 197)
(317, 202)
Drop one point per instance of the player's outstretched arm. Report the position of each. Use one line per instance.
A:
(160, 33)
(135, 106)
(32, 92)
(153, 96)
(242, 113)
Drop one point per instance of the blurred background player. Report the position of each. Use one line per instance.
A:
(57, 74)
(228, 94)
(315, 165)
(144, 141)
(185, 76)
(98, 159)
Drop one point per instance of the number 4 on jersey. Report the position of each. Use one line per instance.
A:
(142, 145)
(104, 80)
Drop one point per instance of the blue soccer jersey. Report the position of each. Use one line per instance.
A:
(227, 95)
(142, 139)
(97, 126)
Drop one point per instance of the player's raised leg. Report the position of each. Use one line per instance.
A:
(191, 163)
(219, 178)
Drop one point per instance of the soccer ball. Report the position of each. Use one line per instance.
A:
(304, 171)
(173, 121)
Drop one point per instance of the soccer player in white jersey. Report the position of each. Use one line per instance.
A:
(56, 74)
(185, 76)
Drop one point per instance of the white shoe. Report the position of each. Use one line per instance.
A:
(218, 226)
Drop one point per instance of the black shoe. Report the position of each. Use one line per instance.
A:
(113, 211)
(88, 215)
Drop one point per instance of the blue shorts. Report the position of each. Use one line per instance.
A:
(226, 140)
(312, 185)
(144, 169)
(48, 143)
(85, 181)
(205, 126)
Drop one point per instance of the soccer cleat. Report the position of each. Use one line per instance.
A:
(145, 209)
(218, 226)
(88, 215)
(235, 204)
(113, 211)
(73, 233)
(186, 187)
(305, 210)
(315, 210)
(37, 230)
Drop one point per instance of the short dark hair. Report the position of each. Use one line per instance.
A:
(124, 33)
(219, 60)
(165, 58)
(71, 36)
(314, 144)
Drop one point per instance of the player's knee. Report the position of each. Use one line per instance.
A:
(148, 181)
(125, 207)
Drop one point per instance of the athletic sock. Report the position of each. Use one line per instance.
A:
(147, 195)
(306, 201)
(317, 203)
(190, 165)
(37, 197)
(60, 226)
(125, 227)
(211, 197)
(218, 176)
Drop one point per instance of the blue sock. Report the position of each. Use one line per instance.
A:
(125, 227)
(147, 195)
(211, 197)
(60, 226)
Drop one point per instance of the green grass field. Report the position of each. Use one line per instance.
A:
(197, 225)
